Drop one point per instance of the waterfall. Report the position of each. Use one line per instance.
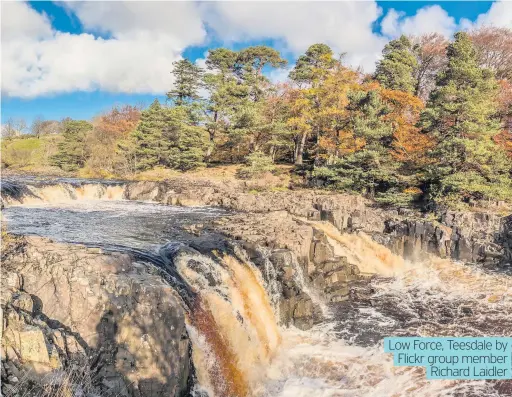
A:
(360, 250)
(64, 193)
(232, 304)
(234, 328)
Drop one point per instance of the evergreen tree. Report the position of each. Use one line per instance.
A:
(168, 137)
(369, 169)
(187, 143)
(397, 68)
(72, 153)
(149, 140)
(313, 65)
(187, 82)
(460, 116)
(237, 90)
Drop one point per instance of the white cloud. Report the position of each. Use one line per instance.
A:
(179, 20)
(144, 38)
(345, 26)
(20, 21)
(428, 19)
(500, 15)
(137, 58)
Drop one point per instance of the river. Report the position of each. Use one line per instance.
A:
(342, 356)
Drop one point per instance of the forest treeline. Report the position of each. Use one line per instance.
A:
(431, 125)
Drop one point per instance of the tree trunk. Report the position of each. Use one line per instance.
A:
(299, 150)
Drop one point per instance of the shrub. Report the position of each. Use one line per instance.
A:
(257, 164)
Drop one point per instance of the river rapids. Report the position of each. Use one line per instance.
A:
(239, 348)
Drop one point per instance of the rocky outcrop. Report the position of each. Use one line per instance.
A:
(70, 309)
(474, 237)
(301, 258)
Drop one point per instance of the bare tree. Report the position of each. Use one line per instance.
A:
(37, 126)
(51, 127)
(494, 47)
(13, 127)
(431, 52)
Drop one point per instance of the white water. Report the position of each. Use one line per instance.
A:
(238, 348)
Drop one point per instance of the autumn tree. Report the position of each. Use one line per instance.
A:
(72, 153)
(494, 49)
(460, 117)
(370, 168)
(410, 145)
(111, 129)
(504, 138)
(333, 117)
(397, 69)
(430, 51)
(309, 73)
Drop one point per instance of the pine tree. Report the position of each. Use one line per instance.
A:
(187, 143)
(187, 82)
(460, 116)
(168, 137)
(396, 70)
(72, 153)
(370, 169)
(149, 140)
(313, 65)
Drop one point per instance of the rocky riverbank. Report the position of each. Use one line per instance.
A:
(474, 237)
(119, 324)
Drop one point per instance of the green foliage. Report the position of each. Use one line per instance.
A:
(396, 198)
(460, 115)
(187, 82)
(257, 163)
(344, 130)
(149, 139)
(371, 169)
(237, 92)
(396, 70)
(168, 137)
(315, 62)
(72, 153)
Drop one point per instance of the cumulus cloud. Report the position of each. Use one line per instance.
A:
(345, 26)
(20, 21)
(500, 15)
(136, 57)
(428, 19)
(130, 46)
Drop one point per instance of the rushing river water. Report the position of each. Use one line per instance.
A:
(342, 356)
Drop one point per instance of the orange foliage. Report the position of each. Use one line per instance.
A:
(332, 115)
(117, 123)
(504, 139)
(409, 144)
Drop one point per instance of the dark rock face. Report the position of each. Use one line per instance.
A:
(465, 236)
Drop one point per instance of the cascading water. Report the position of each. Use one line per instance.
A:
(233, 317)
(239, 350)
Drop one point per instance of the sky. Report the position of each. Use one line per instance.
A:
(77, 59)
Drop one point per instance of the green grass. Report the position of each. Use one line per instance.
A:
(29, 151)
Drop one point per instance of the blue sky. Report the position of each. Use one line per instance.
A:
(77, 60)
